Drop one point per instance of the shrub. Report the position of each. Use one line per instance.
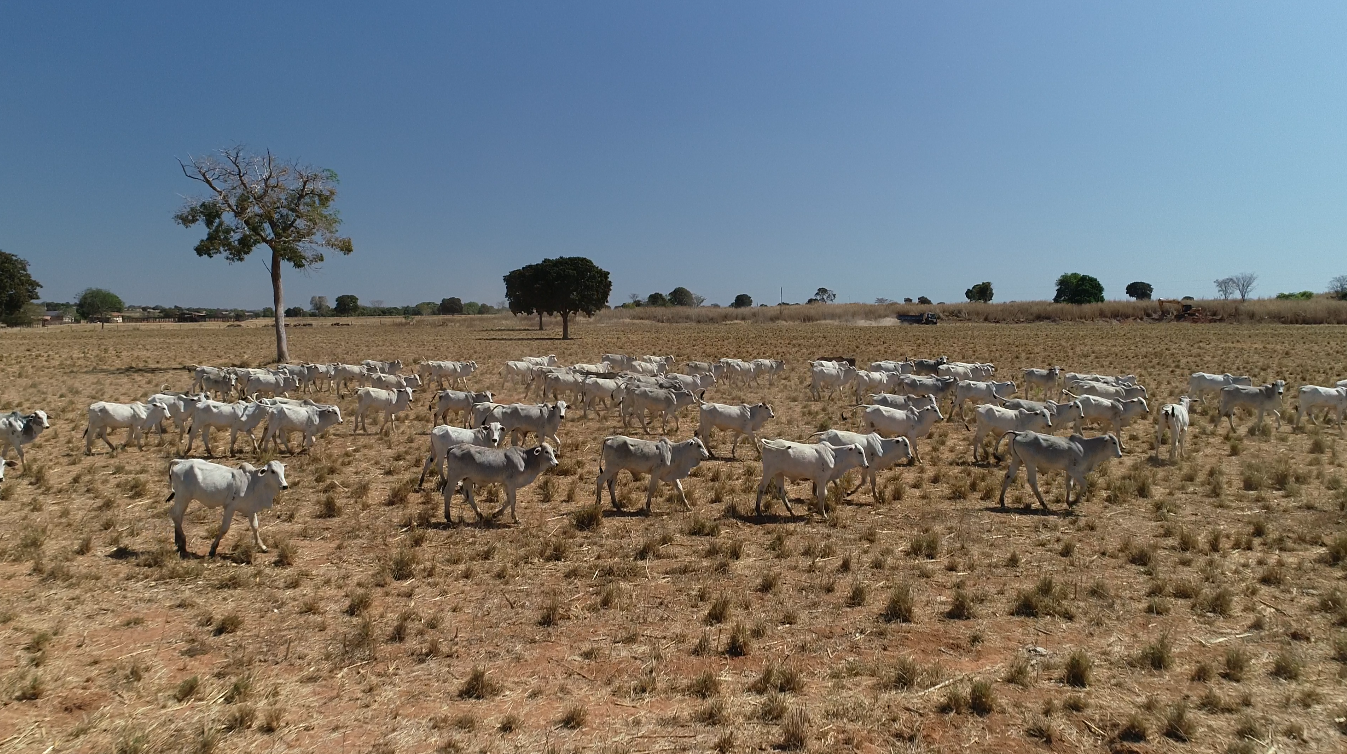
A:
(795, 730)
(1077, 670)
(478, 685)
(899, 608)
(982, 697)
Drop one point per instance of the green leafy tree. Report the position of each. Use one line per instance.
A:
(823, 296)
(657, 299)
(319, 306)
(980, 292)
(452, 305)
(562, 286)
(347, 306)
(17, 288)
(257, 200)
(1075, 288)
(95, 304)
(742, 301)
(1140, 291)
(681, 296)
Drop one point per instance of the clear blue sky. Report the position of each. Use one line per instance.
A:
(878, 149)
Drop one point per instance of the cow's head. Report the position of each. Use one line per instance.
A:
(561, 409)
(34, 423)
(494, 432)
(546, 455)
(327, 415)
(1281, 387)
(702, 453)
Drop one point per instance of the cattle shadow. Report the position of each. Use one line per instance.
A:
(536, 337)
(134, 370)
(1032, 510)
(611, 512)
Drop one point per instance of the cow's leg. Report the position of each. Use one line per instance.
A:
(103, 433)
(1278, 414)
(762, 487)
(425, 469)
(650, 491)
(734, 446)
(1031, 474)
(780, 481)
(257, 534)
(176, 513)
(1081, 488)
(678, 487)
(1011, 470)
(224, 529)
(821, 497)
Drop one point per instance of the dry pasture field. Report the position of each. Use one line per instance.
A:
(1195, 607)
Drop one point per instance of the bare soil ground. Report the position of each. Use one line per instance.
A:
(1188, 607)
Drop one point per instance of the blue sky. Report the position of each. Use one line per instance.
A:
(878, 149)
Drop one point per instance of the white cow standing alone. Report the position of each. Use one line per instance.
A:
(1312, 397)
(818, 463)
(139, 418)
(1075, 455)
(246, 490)
(1260, 400)
(664, 461)
(511, 468)
(1173, 417)
(743, 420)
(390, 403)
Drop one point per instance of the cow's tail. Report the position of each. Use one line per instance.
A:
(996, 449)
(1069, 393)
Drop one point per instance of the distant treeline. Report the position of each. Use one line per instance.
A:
(1317, 311)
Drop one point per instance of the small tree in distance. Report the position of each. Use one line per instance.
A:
(1337, 287)
(823, 296)
(1140, 291)
(1244, 284)
(681, 296)
(347, 306)
(980, 292)
(923, 300)
(451, 305)
(743, 300)
(657, 299)
(562, 286)
(95, 304)
(1075, 288)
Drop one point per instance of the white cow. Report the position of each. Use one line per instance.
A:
(18, 430)
(385, 367)
(1201, 384)
(1313, 396)
(936, 387)
(392, 381)
(179, 408)
(456, 401)
(236, 417)
(445, 437)
(818, 463)
(199, 375)
(880, 453)
(693, 383)
(1063, 414)
(896, 367)
(549, 360)
(345, 375)
(457, 372)
(867, 381)
(1075, 455)
(644, 401)
(829, 376)
(562, 385)
(912, 423)
(139, 418)
(978, 392)
(1103, 390)
(311, 421)
(1265, 399)
(769, 367)
(596, 389)
(272, 384)
(223, 384)
(511, 468)
(517, 371)
(246, 490)
(900, 401)
(743, 420)
(704, 367)
(1174, 417)
(665, 461)
(997, 421)
(1111, 415)
(317, 376)
(390, 403)
(1043, 378)
(519, 419)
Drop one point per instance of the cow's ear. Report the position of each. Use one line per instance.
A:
(248, 467)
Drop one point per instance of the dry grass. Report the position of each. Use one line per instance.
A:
(373, 626)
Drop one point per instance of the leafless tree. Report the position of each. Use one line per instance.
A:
(1338, 287)
(1225, 287)
(1244, 283)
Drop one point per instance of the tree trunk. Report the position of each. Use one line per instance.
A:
(278, 300)
(565, 325)
(540, 320)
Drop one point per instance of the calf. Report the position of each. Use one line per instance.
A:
(664, 461)
(1075, 455)
(1312, 397)
(743, 420)
(246, 490)
(511, 468)
(880, 453)
(18, 430)
(390, 403)
(1267, 398)
(445, 437)
(456, 401)
(311, 421)
(139, 418)
(818, 463)
(912, 423)
(1174, 417)
(997, 421)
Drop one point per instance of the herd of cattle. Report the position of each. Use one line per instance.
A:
(898, 401)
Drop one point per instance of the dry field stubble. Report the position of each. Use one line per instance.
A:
(1189, 607)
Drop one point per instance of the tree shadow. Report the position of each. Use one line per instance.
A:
(536, 337)
(1031, 510)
